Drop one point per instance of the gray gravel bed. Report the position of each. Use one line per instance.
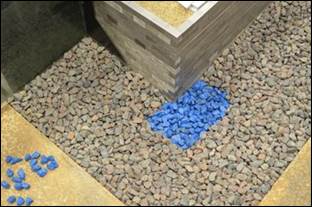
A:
(94, 108)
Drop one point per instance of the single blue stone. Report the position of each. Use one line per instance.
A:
(181, 110)
(9, 159)
(42, 172)
(15, 160)
(27, 157)
(21, 174)
(166, 124)
(35, 168)
(11, 199)
(181, 142)
(194, 137)
(204, 96)
(16, 179)
(175, 139)
(32, 162)
(35, 155)
(28, 201)
(198, 129)
(18, 186)
(10, 173)
(51, 158)
(20, 201)
(5, 185)
(52, 165)
(174, 106)
(44, 159)
(26, 185)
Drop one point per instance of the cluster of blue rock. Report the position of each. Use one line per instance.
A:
(44, 160)
(184, 120)
(19, 179)
(20, 200)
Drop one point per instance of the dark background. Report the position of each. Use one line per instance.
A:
(36, 33)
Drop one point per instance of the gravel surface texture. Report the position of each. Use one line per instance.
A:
(95, 109)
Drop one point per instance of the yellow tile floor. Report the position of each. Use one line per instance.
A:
(293, 188)
(67, 185)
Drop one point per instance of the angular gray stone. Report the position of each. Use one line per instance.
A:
(212, 176)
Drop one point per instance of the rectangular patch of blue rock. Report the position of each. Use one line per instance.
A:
(184, 120)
